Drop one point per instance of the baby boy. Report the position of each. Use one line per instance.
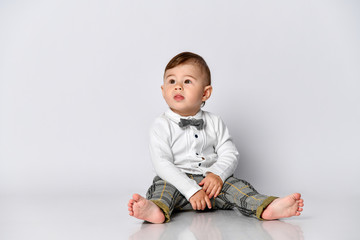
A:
(194, 156)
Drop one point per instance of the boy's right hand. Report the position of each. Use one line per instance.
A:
(200, 200)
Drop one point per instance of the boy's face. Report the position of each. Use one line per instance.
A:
(185, 89)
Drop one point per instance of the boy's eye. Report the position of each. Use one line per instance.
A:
(187, 81)
(172, 81)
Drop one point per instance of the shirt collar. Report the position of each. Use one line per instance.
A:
(176, 117)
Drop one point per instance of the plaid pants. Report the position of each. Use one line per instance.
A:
(235, 193)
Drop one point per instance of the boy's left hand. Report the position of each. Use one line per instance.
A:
(212, 185)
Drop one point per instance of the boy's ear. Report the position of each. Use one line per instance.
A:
(207, 93)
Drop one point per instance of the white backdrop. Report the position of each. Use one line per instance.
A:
(80, 86)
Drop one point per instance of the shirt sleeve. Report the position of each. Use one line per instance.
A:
(226, 150)
(163, 161)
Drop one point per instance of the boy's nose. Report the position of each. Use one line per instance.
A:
(178, 86)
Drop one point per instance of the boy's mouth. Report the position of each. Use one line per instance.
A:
(178, 97)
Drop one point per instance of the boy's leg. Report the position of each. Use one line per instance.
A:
(165, 196)
(242, 195)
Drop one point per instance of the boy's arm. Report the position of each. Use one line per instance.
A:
(163, 162)
(227, 153)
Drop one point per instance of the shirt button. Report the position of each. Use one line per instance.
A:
(203, 158)
(196, 136)
(197, 154)
(199, 164)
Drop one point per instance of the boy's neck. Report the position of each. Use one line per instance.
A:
(185, 114)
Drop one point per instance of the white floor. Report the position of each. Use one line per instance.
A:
(105, 217)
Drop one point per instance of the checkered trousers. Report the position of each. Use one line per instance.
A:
(235, 193)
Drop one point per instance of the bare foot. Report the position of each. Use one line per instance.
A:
(284, 207)
(144, 209)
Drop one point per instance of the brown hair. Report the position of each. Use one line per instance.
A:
(189, 57)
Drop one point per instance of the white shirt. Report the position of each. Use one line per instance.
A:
(176, 151)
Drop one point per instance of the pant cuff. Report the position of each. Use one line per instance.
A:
(163, 208)
(262, 207)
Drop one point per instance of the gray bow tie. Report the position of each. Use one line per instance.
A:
(198, 123)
